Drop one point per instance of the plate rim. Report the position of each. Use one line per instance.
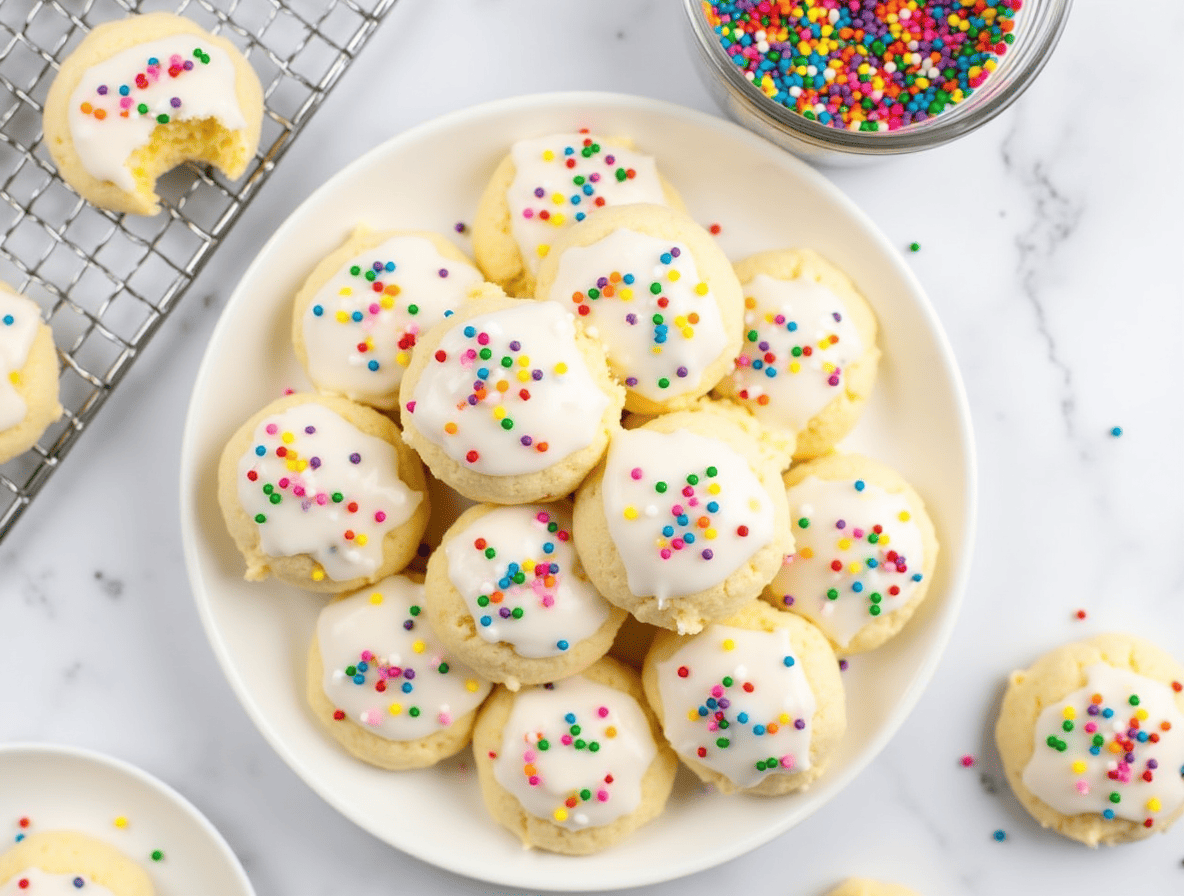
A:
(954, 593)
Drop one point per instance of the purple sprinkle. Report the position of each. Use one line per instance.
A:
(540, 192)
(682, 372)
(601, 282)
(609, 160)
(504, 612)
(536, 374)
(1153, 764)
(309, 430)
(707, 554)
(631, 319)
(443, 272)
(842, 665)
(459, 226)
(675, 251)
(631, 381)
(799, 724)
(102, 91)
(763, 346)
(314, 462)
(724, 703)
(377, 266)
(837, 316)
(595, 178)
(472, 399)
(527, 441)
(409, 673)
(787, 600)
(840, 524)
(1130, 757)
(515, 346)
(1093, 709)
(175, 102)
(355, 458)
(408, 624)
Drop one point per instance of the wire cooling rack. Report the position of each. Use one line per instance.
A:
(105, 282)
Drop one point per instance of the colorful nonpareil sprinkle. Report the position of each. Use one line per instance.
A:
(1000, 835)
(120, 100)
(865, 65)
(537, 576)
(1116, 431)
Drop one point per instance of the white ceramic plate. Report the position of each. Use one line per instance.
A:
(430, 177)
(68, 788)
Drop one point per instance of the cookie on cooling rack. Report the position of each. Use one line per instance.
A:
(575, 766)
(864, 550)
(141, 95)
(321, 493)
(1092, 739)
(685, 520)
(752, 703)
(381, 683)
(506, 591)
(360, 313)
(508, 401)
(28, 375)
(654, 287)
(544, 186)
(66, 862)
(809, 357)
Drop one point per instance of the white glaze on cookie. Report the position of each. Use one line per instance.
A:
(386, 671)
(362, 325)
(684, 511)
(1114, 747)
(119, 101)
(19, 321)
(35, 882)
(560, 179)
(858, 555)
(315, 484)
(575, 752)
(515, 569)
(508, 392)
(798, 341)
(643, 298)
(738, 702)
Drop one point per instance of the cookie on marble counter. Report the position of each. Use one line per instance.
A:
(508, 401)
(381, 683)
(752, 703)
(141, 95)
(654, 287)
(685, 519)
(864, 550)
(320, 492)
(28, 375)
(48, 862)
(544, 186)
(359, 314)
(576, 766)
(1092, 739)
(506, 592)
(809, 358)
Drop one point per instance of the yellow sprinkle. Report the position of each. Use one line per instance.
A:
(548, 155)
(1079, 767)
(784, 719)
(806, 553)
(795, 367)
(688, 332)
(523, 376)
(395, 708)
(542, 250)
(419, 647)
(1154, 805)
(342, 317)
(729, 644)
(904, 516)
(701, 289)
(693, 715)
(561, 815)
(673, 275)
(402, 359)
(656, 350)
(558, 198)
(386, 303)
(557, 220)
(471, 685)
(15, 377)
(288, 438)
(855, 569)
(631, 512)
(499, 412)
(754, 505)
(120, 821)
(1068, 713)
(680, 321)
(611, 730)
(713, 489)
(883, 540)
(524, 360)
(1141, 715)
(360, 540)
(626, 294)
(561, 367)
(293, 465)
(376, 598)
(318, 574)
(710, 534)
(345, 291)
(528, 565)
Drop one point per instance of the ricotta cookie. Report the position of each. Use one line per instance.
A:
(28, 375)
(53, 862)
(363, 308)
(138, 97)
(808, 362)
(751, 704)
(684, 521)
(545, 185)
(1092, 739)
(322, 493)
(653, 286)
(864, 550)
(862, 886)
(508, 402)
(506, 591)
(575, 766)
(383, 686)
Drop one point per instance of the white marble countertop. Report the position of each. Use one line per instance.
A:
(1049, 248)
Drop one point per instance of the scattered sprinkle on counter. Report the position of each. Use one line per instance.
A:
(1116, 431)
(967, 761)
(863, 65)
(914, 247)
(1080, 614)
(1000, 835)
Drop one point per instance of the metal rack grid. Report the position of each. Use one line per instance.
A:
(105, 282)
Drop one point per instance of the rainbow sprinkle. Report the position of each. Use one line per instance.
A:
(124, 95)
(573, 738)
(864, 65)
(689, 517)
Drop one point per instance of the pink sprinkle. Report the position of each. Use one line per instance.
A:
(298, 491)
(788, 762)
(411, 407)
(602, 796)
(367, 656)
(565, 740)
(1082, 787)
(833, 379)
(677, 510)
(717, 691)
(1091, 727)
(664, 553)
(678, 544)
(285, 482)
(375, 307)
(533, 780)
(445, 719)
(602, 712)
(372, 718)
(272, 429)
(528, 756)
(967, 761)
(380, 516)
(688, 491)
(483, 339)
(322, 499)
(543, 516)
(548, 601)
(635, 472)
(528, 213)
(857, 533)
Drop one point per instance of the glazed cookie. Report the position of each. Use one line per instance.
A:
(752, 703)
(654, 287)
(862, 886)
(1092, 739)
(508, 402)
(322, 493)
(28, 375)
(575, 766)
(142, 95)
(53, 862)
(545, 185)
(684, 521)
(809, 356)
(362, 309)
(507, 593)
(865, 550)
(383, 686)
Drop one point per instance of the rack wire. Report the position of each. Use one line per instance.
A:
(106, 282)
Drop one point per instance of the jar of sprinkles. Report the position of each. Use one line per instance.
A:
(843, 81)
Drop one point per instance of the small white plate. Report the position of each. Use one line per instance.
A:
(69, 788)
(430, 177)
